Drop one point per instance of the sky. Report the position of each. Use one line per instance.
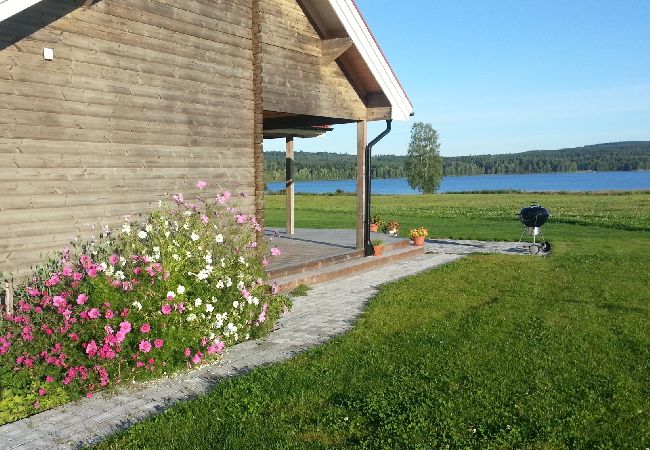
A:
(508, 76)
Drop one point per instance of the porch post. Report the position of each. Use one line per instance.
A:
(289, 186)
(362, 141)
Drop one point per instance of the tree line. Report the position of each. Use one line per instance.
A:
(616, 156)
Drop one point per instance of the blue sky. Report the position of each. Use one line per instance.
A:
(509, 76)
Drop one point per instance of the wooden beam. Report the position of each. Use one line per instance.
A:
(298, 121)
(382, 113)
(290, 205)
(333, 48)
(362, 141)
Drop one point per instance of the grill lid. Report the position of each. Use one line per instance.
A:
(533, 216)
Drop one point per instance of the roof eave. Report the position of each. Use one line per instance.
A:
(356, 28)
(10, 8)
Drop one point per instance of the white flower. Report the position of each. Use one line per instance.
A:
(208, 258)
(126, 228)
(228, 282)
(191, 317)
(198, 302)
(142, 234)
(231, 328)
(176, 257)
(170, 294)
(187, 213)
(186, 226)
(120, 275)
(209, 308)
(241, 285)
(194, 236)
(167, 234)
(137, 305)
(122, 260)
(203, 275)
(220, 284)
(235, 304)
(223, 262)
(219, 238)
(188, 254)
(109, 270)
(242, 260)
(148, 228)
(156, 250)
(180, 289)
(103, 266)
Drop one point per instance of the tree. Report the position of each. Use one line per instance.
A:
(423, 164)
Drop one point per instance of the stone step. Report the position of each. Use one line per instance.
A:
(331, 260)
(347, 268)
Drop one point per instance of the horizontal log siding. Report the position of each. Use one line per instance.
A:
(143, 98)
(293, 79)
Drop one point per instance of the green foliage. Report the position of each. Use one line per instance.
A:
(621, 156)
(300, 291)
(376, 242)
(492, 351)
(423, 164)
(158, 295)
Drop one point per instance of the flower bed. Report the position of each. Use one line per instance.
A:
(158, 295)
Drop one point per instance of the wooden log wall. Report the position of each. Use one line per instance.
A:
(295, 76)
(143, 98)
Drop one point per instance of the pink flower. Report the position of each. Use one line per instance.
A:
(33, 292)
(109, 314)
(188, 352)
(113, 259)
(94, 313)
(241, 218)
(145, 346)
(125, 327)
(178, 198)
(204, 219)
(201, 185)
(125, 312)
(91, 348)
(145, 328)
(74, 336)
(92, 272)
(67, 271)
(158, 343)
(275, 251)
(139, 364)
(216, 348)
(81, 299)
(196, 359)
(42, 392)
(166, 309)
(77, 276)
(89, 395)
(265, 262)
(49, 379)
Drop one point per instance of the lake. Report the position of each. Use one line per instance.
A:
(573, 182)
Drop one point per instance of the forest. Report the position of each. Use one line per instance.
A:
(616, 156)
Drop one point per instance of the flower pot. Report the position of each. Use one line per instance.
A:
(378, 249)
(418, 241)
(374, 227)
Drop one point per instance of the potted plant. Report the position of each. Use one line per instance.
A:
(378, 246)
(418, 235)
(391, 228)
(375, 223)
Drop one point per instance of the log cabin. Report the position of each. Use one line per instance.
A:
(106, 106)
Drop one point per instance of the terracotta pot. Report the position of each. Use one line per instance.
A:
(374, 227)
(418, 241)
(378, 249)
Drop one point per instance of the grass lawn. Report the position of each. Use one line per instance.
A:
(490, 351)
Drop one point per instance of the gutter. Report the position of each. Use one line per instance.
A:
(368, 250)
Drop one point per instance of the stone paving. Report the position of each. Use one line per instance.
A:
(328, 310)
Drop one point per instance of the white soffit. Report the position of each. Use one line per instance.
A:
(9, 8)
(365, 43)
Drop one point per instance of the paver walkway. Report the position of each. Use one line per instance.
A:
(329, 310)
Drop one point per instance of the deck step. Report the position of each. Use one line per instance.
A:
(331, 260)
(346, 268)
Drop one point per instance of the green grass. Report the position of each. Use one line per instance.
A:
(492, 351)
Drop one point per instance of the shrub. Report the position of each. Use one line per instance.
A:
(421, 231)
(171, 291)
